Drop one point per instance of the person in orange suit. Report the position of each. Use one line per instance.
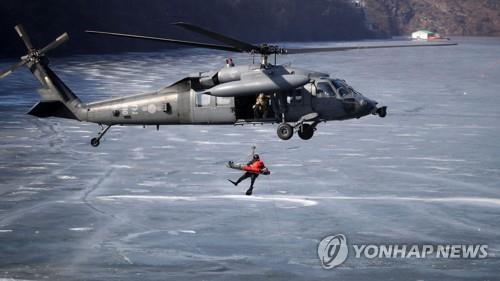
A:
(252, 170)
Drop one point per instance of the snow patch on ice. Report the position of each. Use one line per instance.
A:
(465, 200)
(81, 228)
(13, 279)
(440, 168)
(215, 143)
(233, 135)
(380, 158)
(33, 168)
(126, 258)
(287, 165)
(34, 188)
(177, 232)
(351, 154)
(436, 125)
(435, 159)
(307, 201)
(23, 192)
(177, 139)
(203, 173)
(406, 135)
(148, 197)
(264, 198)
(302, 201)
(121, 166)
(65, 177)
(131, 190)
(151, 183)
(79, 131)
(164, 147)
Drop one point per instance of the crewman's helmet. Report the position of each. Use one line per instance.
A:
(256, 157)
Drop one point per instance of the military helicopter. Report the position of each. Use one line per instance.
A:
(299, 99)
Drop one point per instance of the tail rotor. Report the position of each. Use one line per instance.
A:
(33, 55)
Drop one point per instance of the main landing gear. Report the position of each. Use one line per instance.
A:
(304, 130)
(285, 131)
(96, 141)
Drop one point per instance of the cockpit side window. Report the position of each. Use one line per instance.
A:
(342, 88)
(343, 91)
(323, 89)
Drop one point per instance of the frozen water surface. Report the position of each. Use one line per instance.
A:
(150, 205)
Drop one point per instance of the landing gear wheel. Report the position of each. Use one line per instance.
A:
(94, 142)
(285, 131)
(306, 131)
(382, 112)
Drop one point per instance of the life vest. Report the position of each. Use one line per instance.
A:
(254, 167)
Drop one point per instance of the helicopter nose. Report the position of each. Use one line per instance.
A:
(371, 106)
(366, 106)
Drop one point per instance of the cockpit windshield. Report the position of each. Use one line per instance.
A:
(323, 89)
(342, 87)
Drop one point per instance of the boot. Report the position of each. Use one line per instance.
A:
(235, 183)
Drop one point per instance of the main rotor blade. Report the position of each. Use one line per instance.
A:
(59, 40)
(9, 70)
(242, 46)
(24, 36)
(361, 47)
(168, 40)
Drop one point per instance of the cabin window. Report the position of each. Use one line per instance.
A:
(222, 101)
(167, 108)
(202, 100)
(298, 95)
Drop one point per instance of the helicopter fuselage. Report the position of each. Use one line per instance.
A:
(297, 99)
(197, 99)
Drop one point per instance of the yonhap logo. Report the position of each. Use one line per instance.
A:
(332, 251)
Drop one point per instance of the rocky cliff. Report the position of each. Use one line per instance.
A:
(448, 17)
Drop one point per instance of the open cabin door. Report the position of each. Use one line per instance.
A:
(243, 107)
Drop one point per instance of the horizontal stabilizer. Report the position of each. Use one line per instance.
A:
(45, 109)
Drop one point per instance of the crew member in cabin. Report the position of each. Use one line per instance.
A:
(261, 107)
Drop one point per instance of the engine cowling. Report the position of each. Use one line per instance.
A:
(256, 85)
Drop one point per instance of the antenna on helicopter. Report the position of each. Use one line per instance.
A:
(229, 62)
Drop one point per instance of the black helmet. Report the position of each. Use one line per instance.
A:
(256, 157)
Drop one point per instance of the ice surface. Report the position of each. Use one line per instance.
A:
(150, 205)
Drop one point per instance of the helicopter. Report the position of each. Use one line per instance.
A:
(298, 99)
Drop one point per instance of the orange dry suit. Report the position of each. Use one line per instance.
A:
(254, 167)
